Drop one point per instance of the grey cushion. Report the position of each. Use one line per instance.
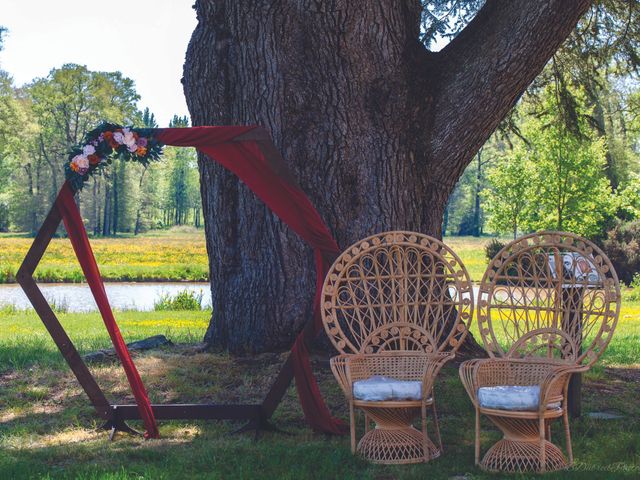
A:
(379, 389)
(511, 397)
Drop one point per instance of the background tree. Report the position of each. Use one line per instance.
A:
(181, 199)
(510, 195)
(595, 79)
(572, 191)
(62, 107)
(40, 121)
(376, 128)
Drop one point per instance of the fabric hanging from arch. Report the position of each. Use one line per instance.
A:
(249, 153)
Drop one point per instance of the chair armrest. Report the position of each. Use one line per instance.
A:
(406, 365)
(469, 378)
(550, 377)
(435, 361)
(556, 381)
(340, 368)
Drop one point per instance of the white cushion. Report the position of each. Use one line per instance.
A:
(511, 397)
(380, 389)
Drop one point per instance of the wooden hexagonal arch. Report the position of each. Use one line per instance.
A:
(250, 154)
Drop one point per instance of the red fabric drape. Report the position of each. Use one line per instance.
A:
(287, 201)
(313, 406)
(77, 234)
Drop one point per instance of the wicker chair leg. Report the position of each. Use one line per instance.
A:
(424, 433)
(477, 456)
(548, 430)
(543, 452)
(436, 425)
(565, 420)
(352, 424)
(367, 423)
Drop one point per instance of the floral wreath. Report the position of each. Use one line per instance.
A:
(105, 143)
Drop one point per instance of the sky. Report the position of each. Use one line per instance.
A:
(144, 39)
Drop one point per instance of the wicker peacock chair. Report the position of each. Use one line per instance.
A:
(397, 306)
(547, 308)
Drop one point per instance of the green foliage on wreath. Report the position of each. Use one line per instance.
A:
(107, 149)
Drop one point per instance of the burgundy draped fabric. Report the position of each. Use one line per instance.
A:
(247, 160)
(80, 242)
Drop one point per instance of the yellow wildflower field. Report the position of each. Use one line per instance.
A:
(172, 256)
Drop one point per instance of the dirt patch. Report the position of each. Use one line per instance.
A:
(626, 374)
(7, 378)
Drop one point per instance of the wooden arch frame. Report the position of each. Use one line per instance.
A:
(116, 415)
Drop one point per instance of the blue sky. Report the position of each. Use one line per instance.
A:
(145, 39)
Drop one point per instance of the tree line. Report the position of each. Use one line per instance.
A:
(567, 157)
(41, 121)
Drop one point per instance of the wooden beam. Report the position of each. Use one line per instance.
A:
(49, 318)
(116, 414)
(191, 412)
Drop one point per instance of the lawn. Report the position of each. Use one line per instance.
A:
(48, 429)
(471, 252)
(174, 255)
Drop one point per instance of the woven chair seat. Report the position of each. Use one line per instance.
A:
(512, 397)
(379, 388)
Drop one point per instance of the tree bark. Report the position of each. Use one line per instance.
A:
(106, 225)
(376, 128)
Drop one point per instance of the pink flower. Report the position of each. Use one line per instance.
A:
(142, 142)
(129, 139)
(80, 164)
(118, 137)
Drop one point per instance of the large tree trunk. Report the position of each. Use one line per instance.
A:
(376, 128)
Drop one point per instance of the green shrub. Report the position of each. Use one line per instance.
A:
(184, 300)
(59, 305)
(492, 248)
(622, 246)
(633, 295)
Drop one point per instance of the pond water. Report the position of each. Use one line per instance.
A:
(76, 297)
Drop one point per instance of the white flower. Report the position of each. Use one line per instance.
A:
(80, 161)
(118, 137)
(88, 150)
(129, 139)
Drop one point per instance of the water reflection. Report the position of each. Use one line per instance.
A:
(75, 297)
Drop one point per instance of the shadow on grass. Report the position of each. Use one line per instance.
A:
(64, 443)
(18, 356)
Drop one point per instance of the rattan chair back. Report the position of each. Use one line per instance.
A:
(549, 294)
(397, 291)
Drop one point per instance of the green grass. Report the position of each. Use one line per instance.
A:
(168, 255)
(25, 342)
(48, 429)
(184, 300)
(471, 252)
